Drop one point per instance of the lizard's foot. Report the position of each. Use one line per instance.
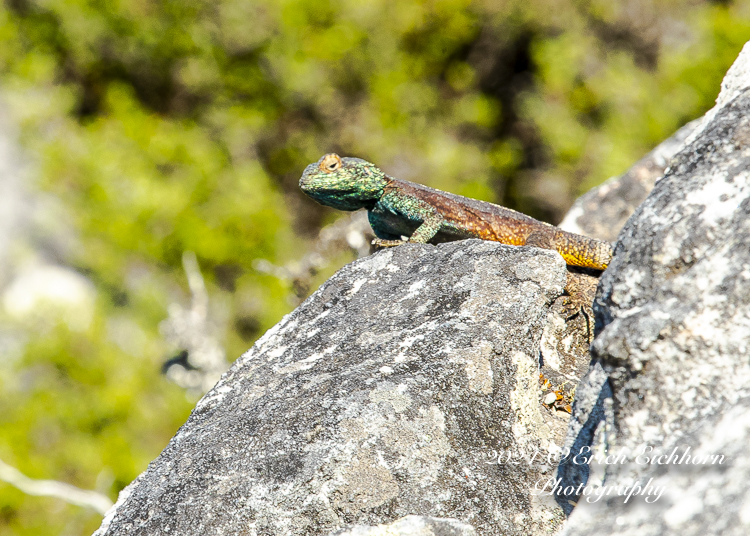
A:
(580, 290)
(573, 305)
(380, 243)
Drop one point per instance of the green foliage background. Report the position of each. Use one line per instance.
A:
(185, 124)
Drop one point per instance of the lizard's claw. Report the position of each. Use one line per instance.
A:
(379, 242)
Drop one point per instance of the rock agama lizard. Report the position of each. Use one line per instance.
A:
(399, 208)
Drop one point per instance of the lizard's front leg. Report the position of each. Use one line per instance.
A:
(397, 213)
(429, 228)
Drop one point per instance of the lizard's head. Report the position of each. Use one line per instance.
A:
(343, 183)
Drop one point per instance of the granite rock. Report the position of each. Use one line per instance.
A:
(388, 393)
(669, 383)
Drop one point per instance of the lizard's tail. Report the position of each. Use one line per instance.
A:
(583, 251)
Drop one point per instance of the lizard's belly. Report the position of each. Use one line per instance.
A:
(389, 225)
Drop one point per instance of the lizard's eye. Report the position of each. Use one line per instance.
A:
(330, 163)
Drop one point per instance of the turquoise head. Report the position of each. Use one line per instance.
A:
(343, 183)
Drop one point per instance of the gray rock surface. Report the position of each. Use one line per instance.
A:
(389, 392)
(15, 202)
(669, 385)
(413, 526)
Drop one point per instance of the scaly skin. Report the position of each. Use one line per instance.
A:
(400, 208)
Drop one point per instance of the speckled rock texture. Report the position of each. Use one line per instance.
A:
(387, 393)
(669, 385)
(413, 526)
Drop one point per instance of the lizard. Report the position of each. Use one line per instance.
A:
(399, 208)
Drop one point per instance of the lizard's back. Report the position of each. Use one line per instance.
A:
(470, 218)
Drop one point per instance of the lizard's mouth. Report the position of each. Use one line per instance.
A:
(338, 192)
(333, 197)
(309, 186)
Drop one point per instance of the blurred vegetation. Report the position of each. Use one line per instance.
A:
(166, 127)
